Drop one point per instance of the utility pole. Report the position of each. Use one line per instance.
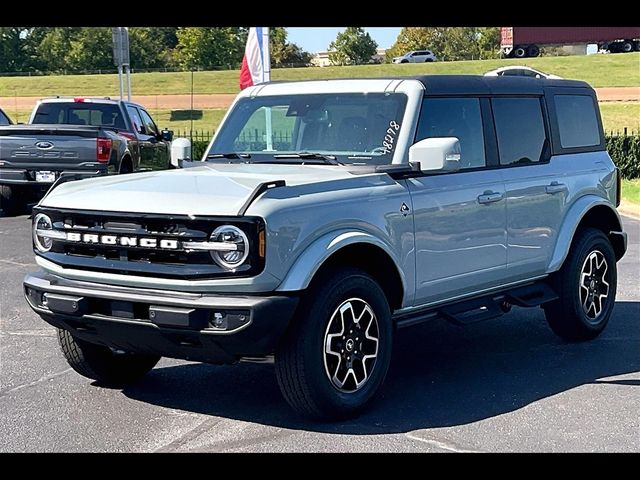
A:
(120, 36)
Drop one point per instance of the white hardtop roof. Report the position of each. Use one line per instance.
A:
(352, 85)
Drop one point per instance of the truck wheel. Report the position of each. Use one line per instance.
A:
(627, 46)
(533, 51)
(9, 202)
(520, 52)
(101, 363)
(586, 286)
(336, 355)
(636, 45)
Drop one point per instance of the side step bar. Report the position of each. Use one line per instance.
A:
(482, 308)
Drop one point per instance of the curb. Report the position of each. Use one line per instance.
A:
(629, 209)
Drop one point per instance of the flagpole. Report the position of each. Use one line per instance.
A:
(266, 77)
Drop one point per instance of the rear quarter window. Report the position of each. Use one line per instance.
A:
(577, 121)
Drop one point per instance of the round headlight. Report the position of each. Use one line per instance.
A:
(42, 222)
(231, 258)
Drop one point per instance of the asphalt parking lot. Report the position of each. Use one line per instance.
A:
(503, 385)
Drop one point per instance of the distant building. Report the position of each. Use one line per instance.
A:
(321, 59)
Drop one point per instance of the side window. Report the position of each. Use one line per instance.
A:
(455, 117)
(4, 120)
(138, 126)
(148, 123)
(577, 121)
(519, 129)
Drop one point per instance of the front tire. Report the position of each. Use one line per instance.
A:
(520, 52)
(336, 355)
(586, 286)
(101, 363)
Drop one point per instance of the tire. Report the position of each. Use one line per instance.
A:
(9, 202)
(627, 46)
(323, 385)
(567, 316)
(404, 61)
(125, 167)
(520, 52)
(533, 51)
(636, 45)
(429, 60)
(101, 363)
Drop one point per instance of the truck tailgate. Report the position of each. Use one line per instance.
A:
(57, 148)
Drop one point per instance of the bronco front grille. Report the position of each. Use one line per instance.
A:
(145, 244)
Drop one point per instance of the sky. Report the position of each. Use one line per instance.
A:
(316, 39)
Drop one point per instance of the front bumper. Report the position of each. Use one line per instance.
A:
(202, 327)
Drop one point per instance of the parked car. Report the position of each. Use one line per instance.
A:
(416, 56)
(76, 138)
(4, 118)
(310, 235)
(519, 71)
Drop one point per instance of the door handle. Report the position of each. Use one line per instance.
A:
(555, 187)
(490, 197)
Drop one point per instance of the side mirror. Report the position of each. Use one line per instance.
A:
(167, 135)
(436, 154)
(180, 151)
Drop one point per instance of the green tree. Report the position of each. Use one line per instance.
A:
(150, 47)
(13, 56)
(284, 52)
(52, 46)
(354, 46)
(91, 48)
(448, 43)
(409, 38)
(489, 42)
(208, 47)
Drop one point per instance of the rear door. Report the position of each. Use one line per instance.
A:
(536, 188)
(460, 218)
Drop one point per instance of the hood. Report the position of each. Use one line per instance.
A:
(205, 190)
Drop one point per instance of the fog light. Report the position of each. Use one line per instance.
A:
(229, 319)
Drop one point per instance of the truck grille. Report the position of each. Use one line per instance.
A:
(145, 245)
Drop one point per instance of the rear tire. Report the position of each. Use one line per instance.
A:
(9, 202)
(101, 363)
(323, 373)
(627, 46)
(533, 51)
(586, 286)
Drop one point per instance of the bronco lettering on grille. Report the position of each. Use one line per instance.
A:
(123, 241)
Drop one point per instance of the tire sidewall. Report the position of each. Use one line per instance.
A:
(596, 241)
(340, 288)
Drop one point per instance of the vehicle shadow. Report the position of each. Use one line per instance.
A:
(441, 375)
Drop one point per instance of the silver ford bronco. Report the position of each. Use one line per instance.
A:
(327, 214)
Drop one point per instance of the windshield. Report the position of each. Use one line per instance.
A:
(354, 128)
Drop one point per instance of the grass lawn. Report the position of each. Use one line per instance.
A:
(618, 115)
(615, 117)
(607, 70)
(631, 190)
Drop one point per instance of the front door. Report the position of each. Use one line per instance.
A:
(159, 147)
(459, 218)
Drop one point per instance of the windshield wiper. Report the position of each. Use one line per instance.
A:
(329, 159)
(228, 155)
